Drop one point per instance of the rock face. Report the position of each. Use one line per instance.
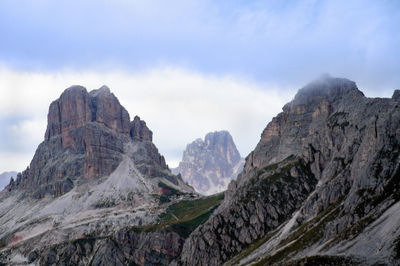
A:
(322, 183)
(85, 138)
(96, 173)
(211, 164)
(125, 247)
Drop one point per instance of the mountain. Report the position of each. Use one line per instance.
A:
(94, 177)
(320, 188)
(210, 164)
(5, 178)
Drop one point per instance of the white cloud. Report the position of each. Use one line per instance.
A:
(178, 105)
(23, 130)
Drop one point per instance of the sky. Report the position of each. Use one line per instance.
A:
(186, 67)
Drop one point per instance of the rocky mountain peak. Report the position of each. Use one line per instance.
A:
(325, 88)
(221, 142)
(210, 164)
(76, 107)
(87, 136)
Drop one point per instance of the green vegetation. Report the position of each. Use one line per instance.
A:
(183, 217)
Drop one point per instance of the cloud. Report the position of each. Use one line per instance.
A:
(278, 41)
(179, 105)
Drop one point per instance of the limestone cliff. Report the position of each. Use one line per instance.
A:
(85, 138)
(95, 174)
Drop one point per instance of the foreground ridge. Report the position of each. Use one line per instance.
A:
(321, 185)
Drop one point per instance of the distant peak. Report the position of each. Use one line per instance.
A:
(221, 133)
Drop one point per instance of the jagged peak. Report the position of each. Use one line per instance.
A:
(219, 133)
(217, 136)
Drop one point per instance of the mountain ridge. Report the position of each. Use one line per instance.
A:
(321, 187)
(331, 137)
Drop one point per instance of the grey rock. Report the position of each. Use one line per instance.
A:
(210, 164)
(347, 143)
(85, 139)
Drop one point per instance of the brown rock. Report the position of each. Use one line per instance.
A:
(85, 138)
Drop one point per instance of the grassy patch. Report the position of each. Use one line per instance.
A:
(183, 217)
(188, 209)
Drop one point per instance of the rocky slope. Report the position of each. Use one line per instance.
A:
(322, 186)
(95, 174)
(209, 165)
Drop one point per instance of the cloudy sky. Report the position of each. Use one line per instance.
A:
(186, 67)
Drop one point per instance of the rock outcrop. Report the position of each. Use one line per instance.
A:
(96, 173)
(321, 185)
(85, 138)
(210, 165)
